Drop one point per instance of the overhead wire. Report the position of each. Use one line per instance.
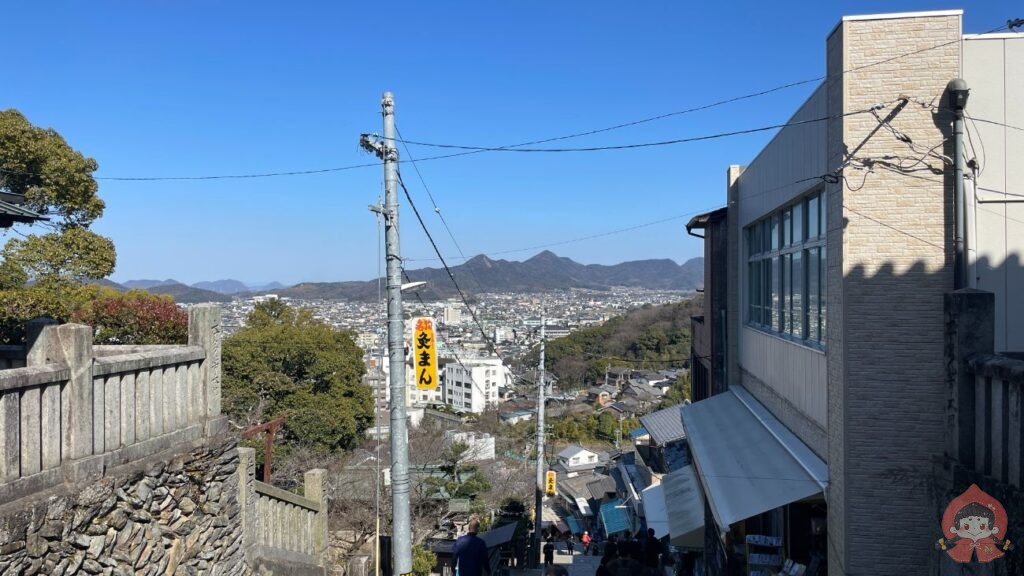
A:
(580, 238)
(465, 300)
(715, 104)
(647, 144)
(437, 209)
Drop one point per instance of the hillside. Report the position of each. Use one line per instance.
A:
(183, 294)
(544, 272)
(146, 284)
(651, 337)
(222, 286)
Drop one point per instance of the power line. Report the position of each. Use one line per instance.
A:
(648, 144)
(715, 104)
(582, 238)
(993, 190)
(465, 300)
(437, 210)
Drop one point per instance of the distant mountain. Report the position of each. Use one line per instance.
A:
(266, 287)
(543, 273)
(187, 294)
(147, 284)
(107, 283)
(223, 286)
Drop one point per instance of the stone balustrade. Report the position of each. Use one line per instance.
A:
(999, 410)
(282, 528)
(69, 410)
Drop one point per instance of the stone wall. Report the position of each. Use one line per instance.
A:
(167, 515)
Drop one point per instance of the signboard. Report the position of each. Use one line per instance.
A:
(549, 483)
(459, 505)
(425, 354)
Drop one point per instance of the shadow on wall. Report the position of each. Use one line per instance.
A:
(897, 411)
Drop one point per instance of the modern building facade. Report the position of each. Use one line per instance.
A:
(472, 384)
(827, 445)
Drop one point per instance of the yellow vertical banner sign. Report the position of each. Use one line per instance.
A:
(549, 486)
(425, 355)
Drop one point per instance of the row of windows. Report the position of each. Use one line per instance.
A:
(786, 271)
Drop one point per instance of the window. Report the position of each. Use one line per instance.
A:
(786, 272)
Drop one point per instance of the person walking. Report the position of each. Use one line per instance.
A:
(611, 547)
(570, 544)
(652, 550)
(549, 552)
(585, 540)
(470, 553)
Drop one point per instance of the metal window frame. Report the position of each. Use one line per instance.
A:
(764, 259)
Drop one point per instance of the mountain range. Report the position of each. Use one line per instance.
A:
(544, 272)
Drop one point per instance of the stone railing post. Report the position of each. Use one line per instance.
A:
(204, 330)
(71, 345)
(247, 495)
(970, 329)
(314, 489)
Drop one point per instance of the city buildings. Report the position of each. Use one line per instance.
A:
(847, 399)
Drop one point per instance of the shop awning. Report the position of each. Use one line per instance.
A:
(573, 525)
(655, 510)
(685, 503)
(614, 517)
(747, 461)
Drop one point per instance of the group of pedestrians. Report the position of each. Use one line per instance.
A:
(635, 556)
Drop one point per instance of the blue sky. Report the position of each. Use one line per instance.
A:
(196, 88)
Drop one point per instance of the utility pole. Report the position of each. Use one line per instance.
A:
(401, 523)
(541, 468)
(618, 434)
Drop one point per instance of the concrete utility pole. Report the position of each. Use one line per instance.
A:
(401, 523)
(538, 522)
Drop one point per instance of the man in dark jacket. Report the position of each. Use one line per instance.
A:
(470, 553)
(652, 550)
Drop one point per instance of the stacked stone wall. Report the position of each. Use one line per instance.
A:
(175, 515)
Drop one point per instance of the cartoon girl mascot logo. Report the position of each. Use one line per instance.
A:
(974, 528)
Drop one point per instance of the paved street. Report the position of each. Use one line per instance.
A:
(577, 564)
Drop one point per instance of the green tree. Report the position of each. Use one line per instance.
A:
(285, 362)
(43, 274)
(55, 180)
(461, 479)
(423, 561)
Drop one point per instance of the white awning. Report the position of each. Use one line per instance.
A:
(747, 461)
(584, 507)
(655, 510)
(685, 503)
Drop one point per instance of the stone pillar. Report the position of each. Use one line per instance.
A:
(247, 495)
(71, 345)
(204, 330)
(314, 490)
(970, 329)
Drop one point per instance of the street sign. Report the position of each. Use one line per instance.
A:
(425, 355)
(549, 485)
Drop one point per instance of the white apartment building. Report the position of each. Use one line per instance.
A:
(473, 384)
(451, 316)
(480, 445)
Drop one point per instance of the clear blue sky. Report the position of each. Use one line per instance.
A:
(195, 88)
